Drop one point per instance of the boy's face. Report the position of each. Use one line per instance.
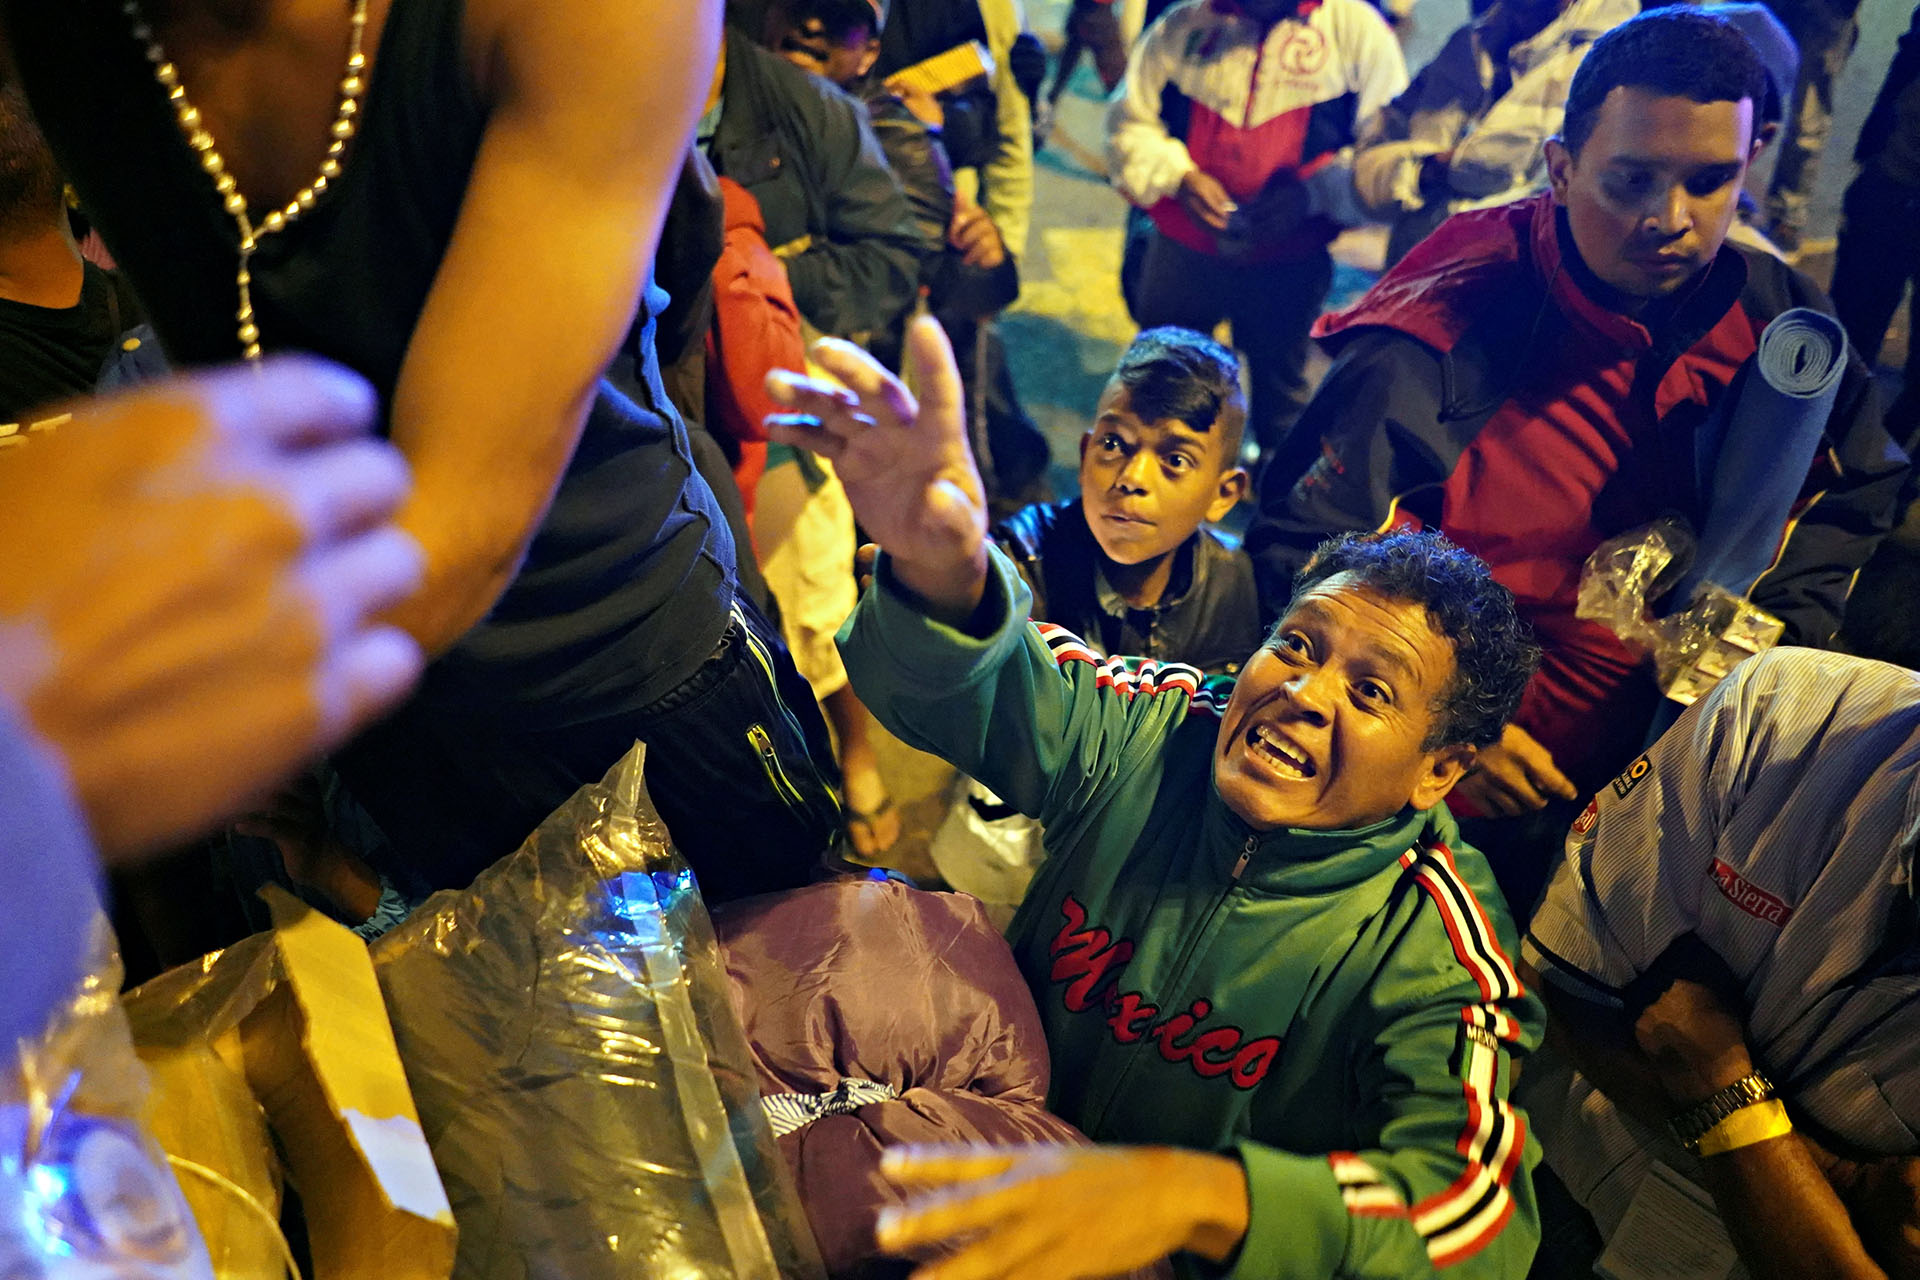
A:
(1147, 486)
(1328, 724)
(1653, 191)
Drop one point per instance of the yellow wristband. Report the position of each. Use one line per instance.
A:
(1748, 1125)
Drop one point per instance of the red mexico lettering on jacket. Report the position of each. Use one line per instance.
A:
(1087, 960)
(1084, 959)
(1209, 1043)
(1170, 1031)
(1250, 1065)
(1131, 1017)
(1749, 897)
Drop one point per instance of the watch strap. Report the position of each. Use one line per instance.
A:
(1692, 1124)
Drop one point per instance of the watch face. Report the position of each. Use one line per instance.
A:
(91, 1199)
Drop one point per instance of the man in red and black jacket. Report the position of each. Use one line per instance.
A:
(1529, 380)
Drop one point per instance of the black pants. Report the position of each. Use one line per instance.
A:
(1824, 31)
(738, 763)
(1270, 305)
(1877, 261)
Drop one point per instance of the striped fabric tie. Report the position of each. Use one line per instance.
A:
(791, 1112)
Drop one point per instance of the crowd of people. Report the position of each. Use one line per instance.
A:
(410, 404)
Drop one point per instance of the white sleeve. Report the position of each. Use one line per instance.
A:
(1501, 154)
(1377, 72)
(1148, 164)
(1376, 75)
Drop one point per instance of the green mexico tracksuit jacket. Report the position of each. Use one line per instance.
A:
(1337, 1008)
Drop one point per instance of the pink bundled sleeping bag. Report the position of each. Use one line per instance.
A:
(855, 990)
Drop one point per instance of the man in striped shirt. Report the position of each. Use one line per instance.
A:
(1734, 917)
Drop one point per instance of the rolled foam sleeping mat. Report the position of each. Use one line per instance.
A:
(1758, 447)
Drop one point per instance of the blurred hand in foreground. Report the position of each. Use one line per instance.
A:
(188, 614)
(1061, 1213)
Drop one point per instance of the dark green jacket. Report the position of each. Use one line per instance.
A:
(834, 212)
(1337, 1008)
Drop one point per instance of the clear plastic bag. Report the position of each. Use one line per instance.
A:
(986, 848)
(1692, 647)
(85, 1191)
(286, 1032)
(1623, 577)
(580, 1073)
(1715, 633)
(186, 1026)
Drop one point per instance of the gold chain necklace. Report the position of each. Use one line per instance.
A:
(187, 116)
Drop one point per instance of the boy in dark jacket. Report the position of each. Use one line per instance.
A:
(1129, 566)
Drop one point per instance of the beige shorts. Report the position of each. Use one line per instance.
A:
(803, 530)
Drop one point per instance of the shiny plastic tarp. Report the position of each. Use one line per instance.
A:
(581, 1076)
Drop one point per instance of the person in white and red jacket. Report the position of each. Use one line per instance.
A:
(1233, 131)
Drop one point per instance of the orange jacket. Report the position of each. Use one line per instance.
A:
(756, 328)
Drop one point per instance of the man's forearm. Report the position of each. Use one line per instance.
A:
(586, 128)
(1784, 1216)
(1779, 1207)
(471, 559)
